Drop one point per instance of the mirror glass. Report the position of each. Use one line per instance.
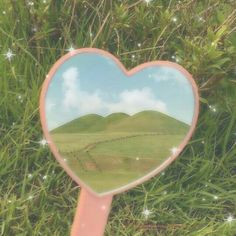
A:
(111, 128)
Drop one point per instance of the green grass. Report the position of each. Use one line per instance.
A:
(118, 148)
(202, 39)
(115, 161)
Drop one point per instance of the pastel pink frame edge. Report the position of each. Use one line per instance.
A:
(134, 70)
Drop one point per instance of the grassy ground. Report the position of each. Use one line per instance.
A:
(196, 194)
(108, 153)
(108, 165)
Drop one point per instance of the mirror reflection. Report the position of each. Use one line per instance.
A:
(110, 128)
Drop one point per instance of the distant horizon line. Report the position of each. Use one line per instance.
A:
(119, 113)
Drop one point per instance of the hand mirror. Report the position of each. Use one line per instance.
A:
(112, 129)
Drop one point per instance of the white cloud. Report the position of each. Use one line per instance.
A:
(70, 87)
(168, 74)
(128, 101)
(133, 101)
(75, 98)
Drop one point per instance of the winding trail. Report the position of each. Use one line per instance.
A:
(85, 152)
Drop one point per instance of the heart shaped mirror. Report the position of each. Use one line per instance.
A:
(111, 128)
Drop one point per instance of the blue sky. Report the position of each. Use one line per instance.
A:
(92, 83)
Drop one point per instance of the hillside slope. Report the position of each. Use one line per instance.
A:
(80, 124)
(145, 121)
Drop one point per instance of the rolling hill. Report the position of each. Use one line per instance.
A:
(81, 124)
(110, 120)
(145, 121)
(149, 121)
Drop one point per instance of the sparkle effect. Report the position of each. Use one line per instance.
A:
(174, 19)
(176, 59)
(30, 3)
(212, 108)
(230, 218)
(45, 177)
(70, 49)
(174, 150)
(146, 213)
(34, 29)
(200, 18)
(30, 176)
(9, 55)
(43, 142)
(147, 1)
(20, 98)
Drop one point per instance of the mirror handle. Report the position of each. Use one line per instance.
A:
(91, 214)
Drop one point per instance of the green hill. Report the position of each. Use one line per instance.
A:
(90, 123)
(110, 120)
(145, 121)
(150, 121)
(81, 124)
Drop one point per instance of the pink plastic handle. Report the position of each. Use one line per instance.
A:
(91, 214)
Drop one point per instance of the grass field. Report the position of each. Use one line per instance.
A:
(112, 164)
(196, 195)
(105, 157)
